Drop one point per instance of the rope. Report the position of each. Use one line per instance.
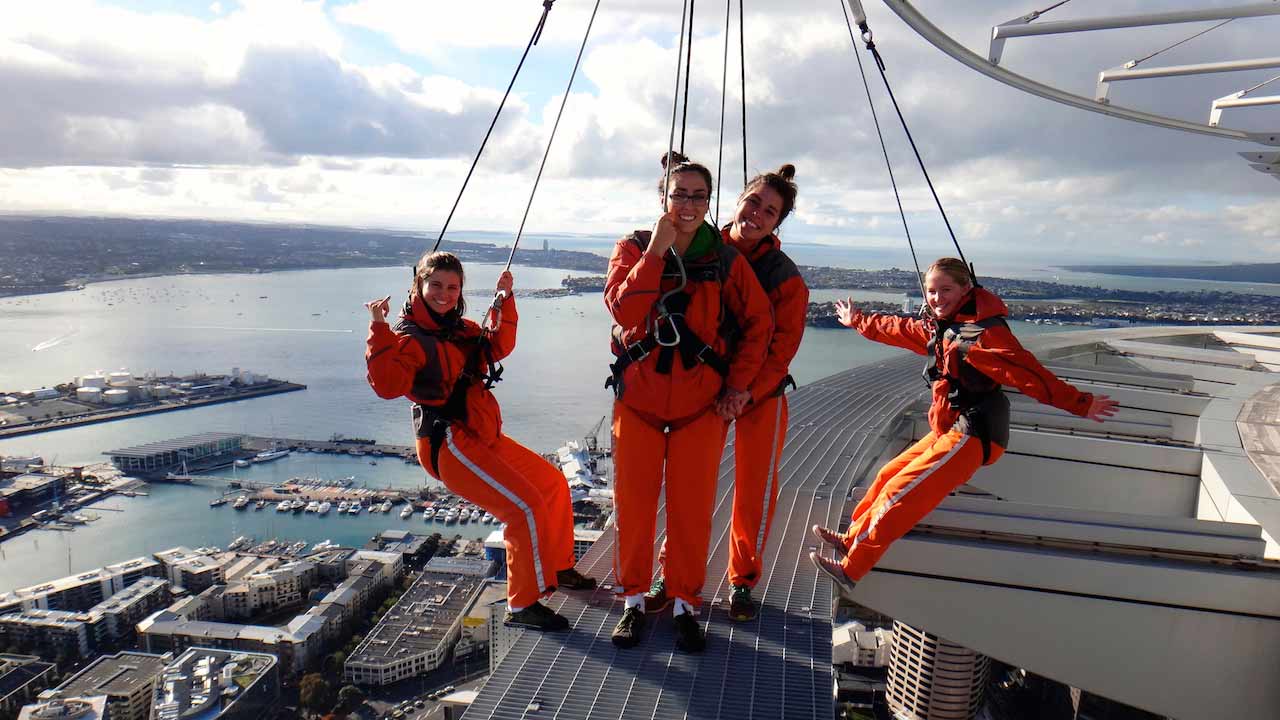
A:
(867, 39)
(688, 66)
(884, 149)
(1135, 63)
(533, 40)
(1259, 85)
(1038, 13)
(563, 101)
(742, 64)
(724, 92)
(675, 103)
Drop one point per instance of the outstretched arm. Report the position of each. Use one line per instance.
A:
(392, 359)
(503, 340)
(902, 332)
(1000, 356)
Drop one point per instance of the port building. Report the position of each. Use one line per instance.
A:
(1135, 560)
(22, 677)
(210, 684)
(126, 679)
(169, 455)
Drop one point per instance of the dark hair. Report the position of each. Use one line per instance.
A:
(433, 261)
(954, 268)
(681, 164)
(781, 182)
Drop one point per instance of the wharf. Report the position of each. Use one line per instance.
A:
(336, 446)
(75, 414)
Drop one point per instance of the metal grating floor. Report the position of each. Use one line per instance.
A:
(777, 666)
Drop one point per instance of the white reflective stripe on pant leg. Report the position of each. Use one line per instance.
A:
(875, 519)
(769, 483)
(506, 492)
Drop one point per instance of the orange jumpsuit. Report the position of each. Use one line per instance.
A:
(974, 353)
(422, 361)
(664, 422)
(761, 430)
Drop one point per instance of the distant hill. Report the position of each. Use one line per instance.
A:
(1251, 272)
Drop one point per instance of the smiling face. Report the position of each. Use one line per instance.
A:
(687, 199)
(441, 290)
(944, 293)
(757, 214)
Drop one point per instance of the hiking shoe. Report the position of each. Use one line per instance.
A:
(571, 579)
(834, 539)
(657, 599)
(537, 617)
(626, 634)
(689, 636)
(741, 607)
(835, 572)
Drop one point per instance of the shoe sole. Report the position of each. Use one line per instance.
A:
(842, 582)
(842, 547)
(530, 626)
(651, 608)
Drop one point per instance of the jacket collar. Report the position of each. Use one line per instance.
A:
(753, 253)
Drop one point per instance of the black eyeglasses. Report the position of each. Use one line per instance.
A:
(679, 198)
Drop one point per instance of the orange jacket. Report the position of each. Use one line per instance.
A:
(634, 284)
(399, 366)
(781, 281)
(997, 355)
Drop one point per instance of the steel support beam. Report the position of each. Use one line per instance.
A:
(1022, 27)
(1237, 100)
(939, 39)
(1127, 72)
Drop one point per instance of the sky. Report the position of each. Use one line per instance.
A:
(368, 113)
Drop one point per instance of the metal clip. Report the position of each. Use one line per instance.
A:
(657, 329)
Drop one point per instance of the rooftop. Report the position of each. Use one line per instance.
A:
(176, 445)
(420, 620)
(119, 674)
(204, 683)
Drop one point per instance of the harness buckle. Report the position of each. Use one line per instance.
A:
(631, 349)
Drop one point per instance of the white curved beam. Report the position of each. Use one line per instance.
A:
(926, 29)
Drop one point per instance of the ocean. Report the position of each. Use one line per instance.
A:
(307, 327)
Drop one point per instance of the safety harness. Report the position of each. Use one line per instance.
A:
(670, 332)
(432, 421)
(983, 408)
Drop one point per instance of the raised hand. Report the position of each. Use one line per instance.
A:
(378, 309)
(1102, 408)
(846, 313)
(505, 282)
(664, 234)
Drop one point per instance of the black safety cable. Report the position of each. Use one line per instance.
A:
(724, 92)
(675, 104)
(742, 65)
(563, 101)
(884, 149)
(870, 43)
(533, 40)
(1135, 63)
(688, 66)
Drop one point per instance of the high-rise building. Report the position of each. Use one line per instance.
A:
(933, 679)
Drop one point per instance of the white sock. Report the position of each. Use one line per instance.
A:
(636, 601)
(513, 608)
(681, 607)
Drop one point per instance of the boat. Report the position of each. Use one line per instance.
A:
(241, 502)
(463, 515)
(259, 505)
(297, 506)
(487, 518)
(283, 506)
(451, 517)
(269, 455)
(323, 545)
(217, 502)
(373, 462)
(386, 506)
(428, 514)
(407, 512)
(324, 507)
(475, 516)
(313, 506)
(355, 509)
(242, 463)
(344, 506)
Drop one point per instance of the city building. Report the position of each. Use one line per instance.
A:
(32, 488)
(855, 644)
(501, 635)
(81, 591)
(94, 708)
(78, 635)
(169, 455)
(416, 634)
(208, 684)
(495, 551)
(933, 679)
(413, 548)
(583, 540)
(477, 625)
(22, 677)
(126, 679)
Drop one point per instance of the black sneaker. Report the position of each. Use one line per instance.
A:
(689, 636)
(571, 579)
(657, 599)
(537, 617)
(741, 607)
(626, 634)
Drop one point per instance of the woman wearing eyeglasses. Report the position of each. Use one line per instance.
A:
(691, 331)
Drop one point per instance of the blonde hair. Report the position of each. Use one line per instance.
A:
(953, 268)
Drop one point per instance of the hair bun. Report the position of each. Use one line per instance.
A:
(673, 158)
(787, 171)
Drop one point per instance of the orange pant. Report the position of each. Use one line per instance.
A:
(906, 489)
(522, 490)
(688, 457)
(759, 435)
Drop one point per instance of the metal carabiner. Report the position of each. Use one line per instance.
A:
(493, 316)
(657, 329)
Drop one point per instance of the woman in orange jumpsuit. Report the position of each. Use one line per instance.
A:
(676, 295)
(444, 363)
(972, 354)
(761, 429)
